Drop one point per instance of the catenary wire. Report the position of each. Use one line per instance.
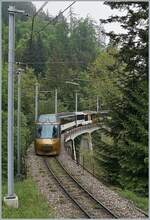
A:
(33, 19)
(54, 19)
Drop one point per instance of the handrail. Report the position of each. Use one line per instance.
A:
(81, 128)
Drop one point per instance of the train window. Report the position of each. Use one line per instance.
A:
(55, 131)
(47, 131)
(67, 119)
(80, 117)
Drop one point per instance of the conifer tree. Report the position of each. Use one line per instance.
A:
(130, 114)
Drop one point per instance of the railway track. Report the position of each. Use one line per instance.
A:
(99, 179)
(84, 200)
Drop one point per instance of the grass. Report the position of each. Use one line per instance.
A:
(31, 202)
(107, 139)
(140, 202)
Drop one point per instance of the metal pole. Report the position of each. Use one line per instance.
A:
(76, 103)
(10, 142)
(97, 104)
(76, 106)
(74, 150)
(36, 101)
(1, 101)
(18, 126)
(83, 164)
(55, 101)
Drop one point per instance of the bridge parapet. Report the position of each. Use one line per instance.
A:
(73, 133)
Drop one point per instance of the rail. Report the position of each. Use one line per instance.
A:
(84, 200)
(92, 172)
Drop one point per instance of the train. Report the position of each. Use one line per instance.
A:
(50, 126)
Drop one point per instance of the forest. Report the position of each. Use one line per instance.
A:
(117, 73)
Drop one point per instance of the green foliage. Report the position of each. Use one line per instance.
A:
(55, 53)
(106, 156)
(71, 53)
(129, 112)
(4, 144)
(31, 202)
(25, 132)
(140, 202)
(118, 75)
(4, 87)
(83, 43)
(28, 80)
(27, 117)
(133, 142)
(104, 75)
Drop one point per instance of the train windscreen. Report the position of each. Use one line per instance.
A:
(47, 131)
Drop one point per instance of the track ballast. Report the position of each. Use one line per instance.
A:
(84, 200)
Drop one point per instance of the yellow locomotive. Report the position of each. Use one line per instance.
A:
(50, 126)
(47, 140)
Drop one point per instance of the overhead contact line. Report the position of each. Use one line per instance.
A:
(55, 19)
(41, 63)
(33, 18)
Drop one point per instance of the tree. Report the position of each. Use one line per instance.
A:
(104, 75)
(83, 43)
(130, 114)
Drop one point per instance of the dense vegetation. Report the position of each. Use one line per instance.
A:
(128, 160)
(118, 74)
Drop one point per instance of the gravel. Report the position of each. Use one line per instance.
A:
(36, 169)
(63, 207)
(122, 207)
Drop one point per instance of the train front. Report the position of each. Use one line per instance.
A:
(47, 140)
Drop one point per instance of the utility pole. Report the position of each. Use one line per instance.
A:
(55, 101)
(101, 35)
(71, 19)
(1, 87)
(11, 199)
(76, 105)
(10, 139)
(19, 125)
(76, 97)
(76, 102)
(97, 104)
(36, 100)
(33, 19)
(89, 104)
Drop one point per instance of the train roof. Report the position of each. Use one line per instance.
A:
(47, 118)
(53, 118)
(79, 113)
(65, 114)
(68, 114)
(90, 112)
